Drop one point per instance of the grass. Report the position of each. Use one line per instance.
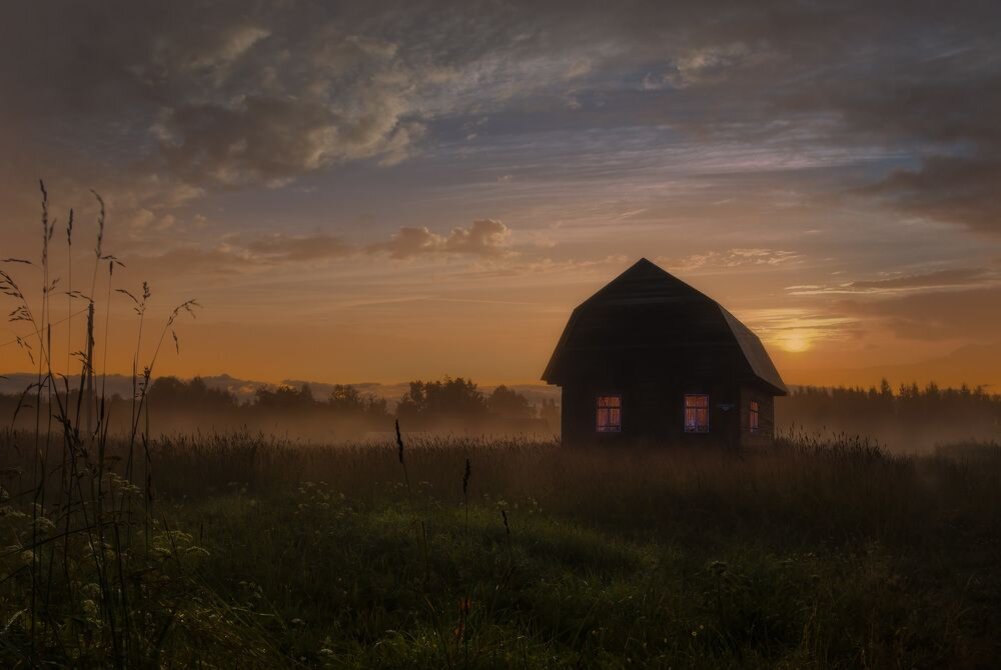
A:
(807, 555)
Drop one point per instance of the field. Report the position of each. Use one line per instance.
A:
(458, 554)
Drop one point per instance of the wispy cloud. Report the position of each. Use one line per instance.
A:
(484, 237)
(282, 247)
(957, 315)
(955, 278)
(797, 329)
(733, 258)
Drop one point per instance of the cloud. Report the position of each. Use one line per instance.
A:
(938, 279)
(219, 98)
(948, 188)
(281, 247)
(952, 278)
(236, 96)
(409, 242)
(241, 254)
(271, 140)
(705, 65)
(230, 96)
(484, 237)
(935, 315)
(796, 328)
(733, 258)
(937, 107)
(192, 259)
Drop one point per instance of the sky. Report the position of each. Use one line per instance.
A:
(376, 192)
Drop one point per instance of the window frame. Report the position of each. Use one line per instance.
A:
(754, 417)
(607, 428)
(699, 428)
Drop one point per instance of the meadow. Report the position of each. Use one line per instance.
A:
(244, 551)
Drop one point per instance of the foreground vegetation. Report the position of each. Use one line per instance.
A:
(266, 554)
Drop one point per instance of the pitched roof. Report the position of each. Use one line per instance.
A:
(647, 308)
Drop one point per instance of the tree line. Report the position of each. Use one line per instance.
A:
(911, 416)
(450, 404)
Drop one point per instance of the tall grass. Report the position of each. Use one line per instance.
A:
(104, 585)
(818, 554)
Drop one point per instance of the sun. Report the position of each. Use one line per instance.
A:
(796, 342)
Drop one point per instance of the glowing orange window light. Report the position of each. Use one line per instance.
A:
(696, 413)
(609, 414)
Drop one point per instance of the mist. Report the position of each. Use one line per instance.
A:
(909, 419)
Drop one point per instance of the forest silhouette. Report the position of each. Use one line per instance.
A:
(449, 405)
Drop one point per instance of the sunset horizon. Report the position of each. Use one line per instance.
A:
(798, 350)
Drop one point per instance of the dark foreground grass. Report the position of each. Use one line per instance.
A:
(275, 555)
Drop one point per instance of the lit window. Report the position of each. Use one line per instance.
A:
(696, 413)
(752, 417)
(609, 414)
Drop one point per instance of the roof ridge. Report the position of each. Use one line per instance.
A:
(642, 264)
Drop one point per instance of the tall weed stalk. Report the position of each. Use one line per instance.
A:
(89, 599)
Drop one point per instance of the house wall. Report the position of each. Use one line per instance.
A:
(765, 434)
(653, 412)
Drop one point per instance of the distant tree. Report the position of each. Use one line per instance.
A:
(346, 400)
(932, 392)
(284, 397)
(376, 409)
(453, 400)
(549, 411)
(508, 404)
(172, 392)
(168, 391)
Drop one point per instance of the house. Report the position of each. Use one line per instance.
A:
(648, 359)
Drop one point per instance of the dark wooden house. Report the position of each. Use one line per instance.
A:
(649, 359)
